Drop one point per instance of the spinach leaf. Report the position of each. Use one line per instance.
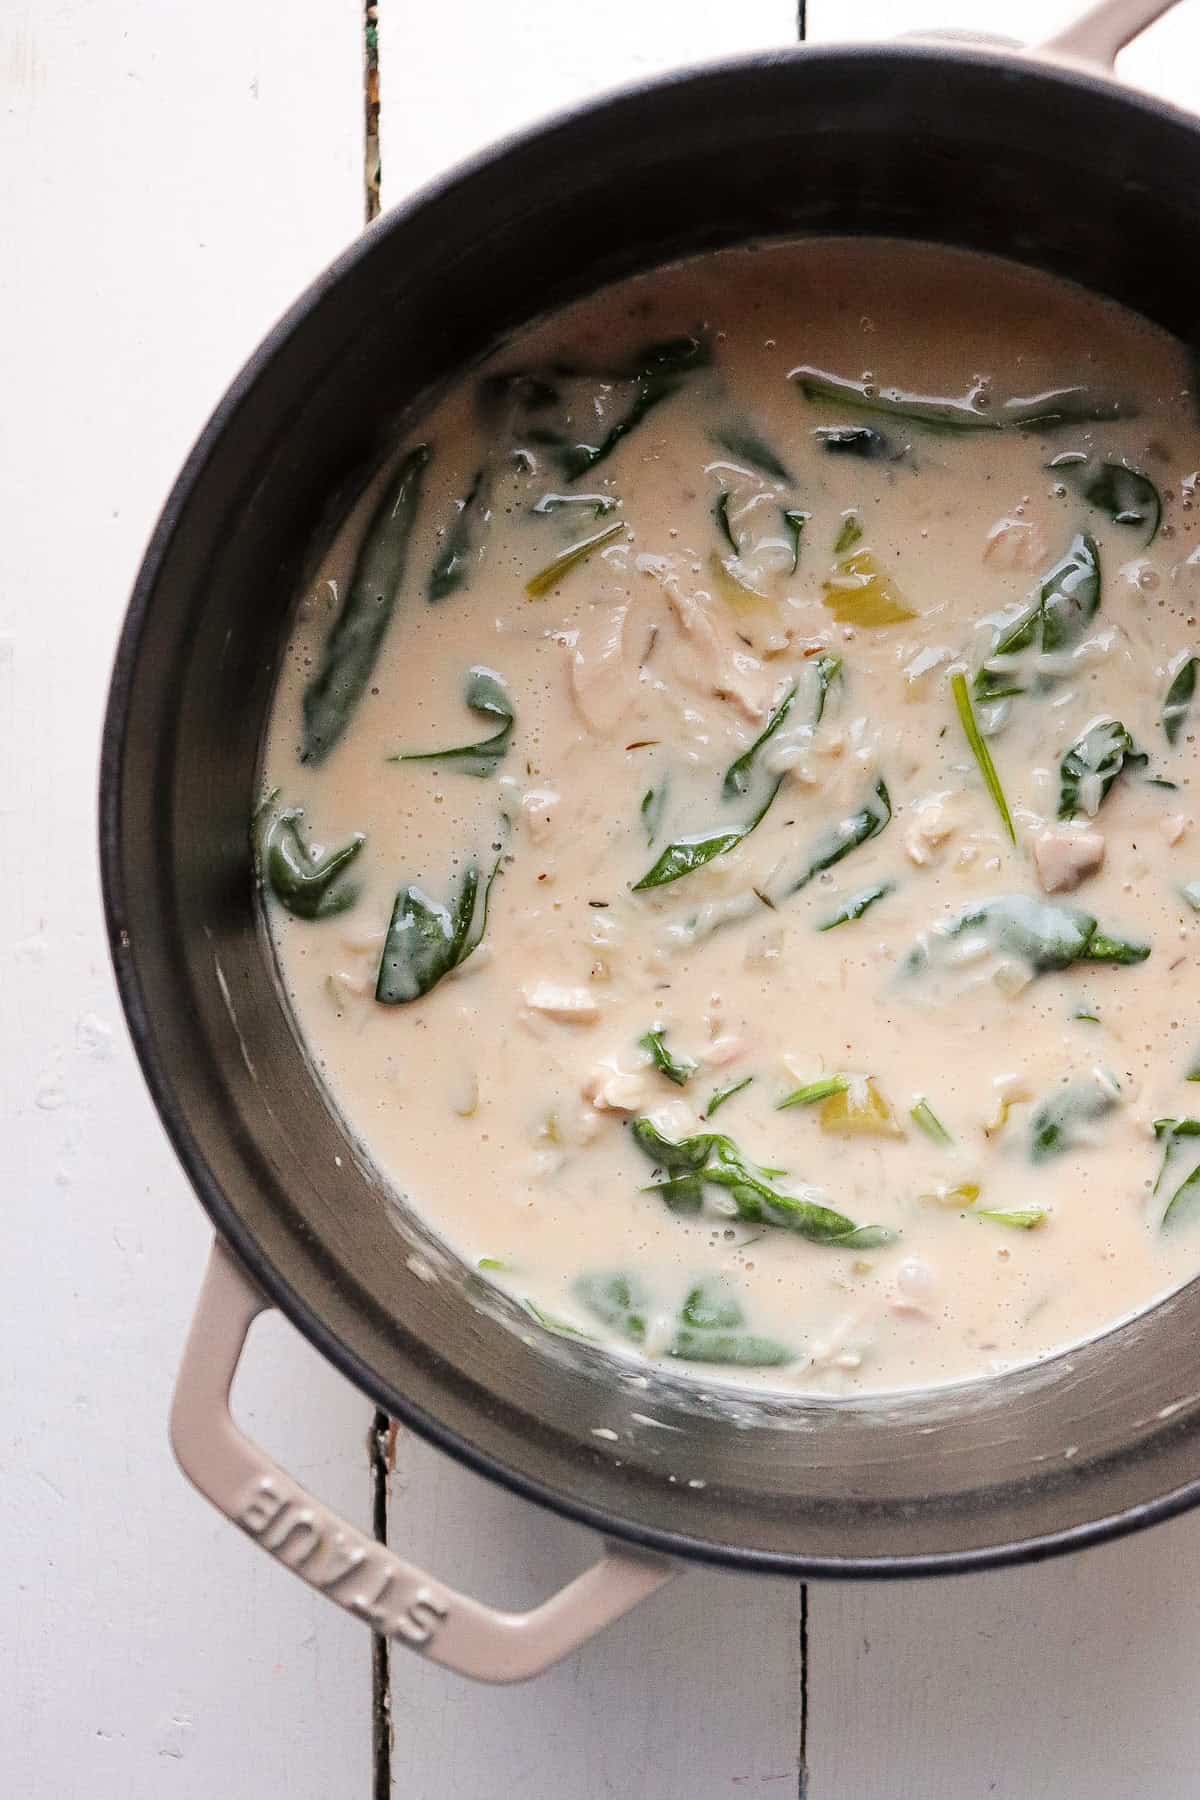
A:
(350, 650)
(658, 373)
(1037, 412)
(856, 906)
(712, 1159)
(1091, 765)
(731, 1347)
(712, 1306)
(462, 547)
(1171, 1131)
(685, 1156)
(737, 775)
(486, 694)
(690, 853)
(747, 447)
(426, 940)
(721, 515)
(1045, 934)
(1115, 487)
(544, 405)
(1068, 600)
(619, 1300)
(1053, 1128)
(678, 1069)
(307, 888)
(1070, 594)
(858, 829)
(795, 520)
(710, 1331)
(1178, 703)
(540, 584)
(862, 441)
(981, 753)
(721, 1095)
(652, 808)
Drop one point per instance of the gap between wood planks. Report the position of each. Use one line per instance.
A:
(381, 1438)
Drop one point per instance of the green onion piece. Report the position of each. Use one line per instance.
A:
(678, 1069)
(540, 584)
(1020, 1218)
(922, 1114)
(983, 756)
(723, 1094)
(857, 905)
(549, 1322)
(849, 535)
(814, 1091)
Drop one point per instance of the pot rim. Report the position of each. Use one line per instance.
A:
(1004, 60)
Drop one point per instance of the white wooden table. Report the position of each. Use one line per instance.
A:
(173, 174)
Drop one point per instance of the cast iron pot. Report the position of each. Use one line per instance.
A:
(1043, 158)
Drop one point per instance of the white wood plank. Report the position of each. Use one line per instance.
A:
(175, 174)
(1066, 1681)
(449, 84)
(695, 1696)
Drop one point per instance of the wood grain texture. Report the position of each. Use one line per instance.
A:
(455, 79)
(1070, 1680)
(694, 1696)
(175, 175)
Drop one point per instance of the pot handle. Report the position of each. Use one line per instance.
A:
(1104, 30)
(366, 1578)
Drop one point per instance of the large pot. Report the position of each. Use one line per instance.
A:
(1042, 158)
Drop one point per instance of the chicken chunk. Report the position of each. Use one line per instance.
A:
(1066, 857)
(566, 1005)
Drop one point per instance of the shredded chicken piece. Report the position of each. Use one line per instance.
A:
(1066, 856)
(566, 1005)
(537, 813)
(610, 1088)
(930, 830)
(601, 683)
(1016, 544)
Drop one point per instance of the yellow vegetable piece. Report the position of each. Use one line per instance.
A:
(961, 1195)
(993, 1127)
(860, 593)
(734, 586)
(861, 1111)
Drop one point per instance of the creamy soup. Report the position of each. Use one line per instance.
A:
(730, 842)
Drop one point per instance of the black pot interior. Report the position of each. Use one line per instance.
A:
(967, 148)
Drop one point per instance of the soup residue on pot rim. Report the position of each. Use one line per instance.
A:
(728, 823)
